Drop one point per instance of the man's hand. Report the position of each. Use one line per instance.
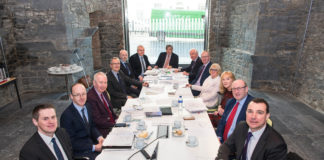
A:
(149, 68)
(145, 84)
(220, 110)
(129, 97)
(185, 73)
(101, 139)
(188, 85)
(140, 78)
(98, 147)
(169, 67)
(156, 67)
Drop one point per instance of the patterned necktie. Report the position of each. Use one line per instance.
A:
(126, 66)
(121, 82)
(167, 61)
(112, 119)
(143, 65)
(244, 152)
(57, 150)
(230, 121)
(193, 64)
(84, 118)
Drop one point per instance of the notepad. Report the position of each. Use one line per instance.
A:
(119, 138)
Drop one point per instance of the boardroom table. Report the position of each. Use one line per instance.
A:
(165, 87)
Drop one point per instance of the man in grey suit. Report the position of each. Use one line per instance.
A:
(49, 142)
(254, 139)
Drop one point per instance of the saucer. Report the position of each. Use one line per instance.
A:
(174, 134)
(141, 128)
(192, 144)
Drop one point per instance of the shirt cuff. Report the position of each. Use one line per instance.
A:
(93, 148)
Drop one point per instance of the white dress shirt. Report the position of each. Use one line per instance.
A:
(49, 143)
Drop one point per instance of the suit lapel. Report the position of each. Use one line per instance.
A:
(241, 141)
(78, 116)
(63, 143)
(43, 147)
(261, 143)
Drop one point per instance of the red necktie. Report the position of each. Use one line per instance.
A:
(109, 112)
(230, 121)
(167, 61)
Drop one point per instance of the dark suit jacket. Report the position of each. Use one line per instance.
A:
(118, 97)
(229, 106)
(135, 62)
(124, 70)
(174, 60)
(204, 76)
(35, 147)
(99, 112)
(271, 146)
(82, 137)
(193, 71)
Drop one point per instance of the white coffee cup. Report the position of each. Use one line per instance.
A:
(139, 143)
(127, 118)
(177, 124)
(174, 103)
(141, 124)
(192, 140)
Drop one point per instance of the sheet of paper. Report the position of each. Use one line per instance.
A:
(119, 137)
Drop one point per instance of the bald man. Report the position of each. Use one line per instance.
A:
(234, 110)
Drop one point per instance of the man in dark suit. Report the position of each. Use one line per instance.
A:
(139, 62)
(78, 122)
(125, 67)
(254, 139)
(203, 72)
(234, 110)
(118, 85)
(49, 142)
(167, 59)
(192, 70)
(102, 110)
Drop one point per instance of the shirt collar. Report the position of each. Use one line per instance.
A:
(99, 94)
(79, 107)
(242, 100)
(47, 139)
(257, 134)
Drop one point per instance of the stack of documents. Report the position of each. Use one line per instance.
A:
(119, 138)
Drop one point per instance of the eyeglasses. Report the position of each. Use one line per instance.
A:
(214, 70)
(79, 95)
(238, 88)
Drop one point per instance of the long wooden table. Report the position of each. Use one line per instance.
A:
(160, 93)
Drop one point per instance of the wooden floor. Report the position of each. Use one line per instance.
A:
(301, 127)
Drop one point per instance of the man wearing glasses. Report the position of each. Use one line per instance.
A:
(119, 85)
(78, 122)
(234, 110)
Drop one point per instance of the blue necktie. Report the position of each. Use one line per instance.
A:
(244, 153)
(84, 118)
(126, 66)
(121, 82)
(57, 150)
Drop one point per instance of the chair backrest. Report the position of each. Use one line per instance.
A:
(269, 121)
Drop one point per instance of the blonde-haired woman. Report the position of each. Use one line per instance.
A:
(225, 90)
(210, 87)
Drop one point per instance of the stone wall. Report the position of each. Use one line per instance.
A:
(41, 34)
(309, 78)
(235, 32)
(261, 42)
(9, 43)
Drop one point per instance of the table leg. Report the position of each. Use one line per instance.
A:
(17, 91)
(67, 86)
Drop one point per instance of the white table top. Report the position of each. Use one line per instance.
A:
(174, 147)
(64, 70)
